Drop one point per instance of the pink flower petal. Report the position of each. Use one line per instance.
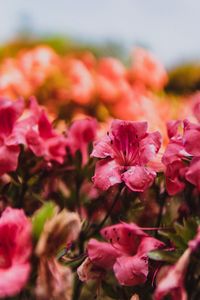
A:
(138, 178)
(9, 113)
(148, 244)
(131, 271)
(102, 254)
(174, 179)
(103, 148)
(149, 147)
(172, 128)
(193, 173)
(107, 174)
(13, 279)
(8, 158)
(173, 281)
(124, 237)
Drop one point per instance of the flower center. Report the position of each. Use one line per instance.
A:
(5, 261)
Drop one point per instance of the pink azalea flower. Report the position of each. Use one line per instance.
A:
(80, 135)
(102, 254)
(193, 173)
(126, 253)
(148, 70)
(41, 138)
(9, 136)
(172, 281)
(124, 153)
(173, 159)
(181, 148)
(15, 250)
(175, 179)
(192, 138)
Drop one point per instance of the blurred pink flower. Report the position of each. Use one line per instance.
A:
(192, 138)
(37, 63)
(193, 173)
(81, 82)
(9, 134)
(20, 76)
(173, 159)
(41, 138)
(13, 82)
(147, 70)
(172, 280)
(124, 152)
(111, 81)
(15, 250)
(80, 134)
(195, 105)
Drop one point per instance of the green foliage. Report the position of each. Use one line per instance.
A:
(40, 217)
(179, 237)
(166, 256)
(62, 44)
(184, 79)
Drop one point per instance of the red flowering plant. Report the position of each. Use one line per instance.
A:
(92, 206)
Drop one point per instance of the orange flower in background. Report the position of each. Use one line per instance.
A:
(111, 81)
(22, 75)
(148, 70)
(12, 80)
(80, 87)
(76, 84)
(38, 63)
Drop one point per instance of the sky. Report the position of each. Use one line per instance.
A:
(170, 28)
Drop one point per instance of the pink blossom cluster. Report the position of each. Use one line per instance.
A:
(33, 130)
(182, 156)
(125, 252)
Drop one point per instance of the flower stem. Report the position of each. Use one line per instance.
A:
(100, 225)
(77, 288)
(161, 199)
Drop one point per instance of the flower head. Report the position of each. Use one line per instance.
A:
(125, 252)
(15, 250)
(41, 138)
(10, 137)
(124, 153)
(80, 135)
(148, 70)
(182, 156)
(172, 281)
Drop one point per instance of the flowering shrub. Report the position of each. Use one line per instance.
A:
(99, 187)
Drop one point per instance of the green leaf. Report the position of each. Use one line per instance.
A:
(175, 239)
(188, 230)
(163, 255)
(73, 263)
(40, 217)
